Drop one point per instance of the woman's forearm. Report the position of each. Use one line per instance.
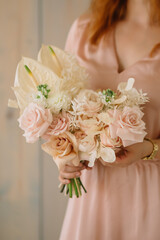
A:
(148, 148)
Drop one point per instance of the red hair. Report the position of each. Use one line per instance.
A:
(106, 13)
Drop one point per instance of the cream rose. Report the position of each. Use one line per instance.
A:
(87, 102)
(63, 148)
(88, 148)
(34, 121)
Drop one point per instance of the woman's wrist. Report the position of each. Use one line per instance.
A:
(150, 148)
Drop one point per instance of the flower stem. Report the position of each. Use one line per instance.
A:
(67, 190)
(70, 189)
(63, 187)
(82, 185)
(78, 186)
(75, 187)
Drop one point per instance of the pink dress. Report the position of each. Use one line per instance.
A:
(121, 203)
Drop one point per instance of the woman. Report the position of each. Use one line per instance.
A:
(117, 40)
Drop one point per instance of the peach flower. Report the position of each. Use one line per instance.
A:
(129, 126)
(80, 135)
(63, 148)
(87, 102)
(89, 125)
(59, 125)
(107, 141)
(88, 149)
(34, 121)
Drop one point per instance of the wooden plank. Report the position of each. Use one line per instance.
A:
(57, 19)
(19, 165)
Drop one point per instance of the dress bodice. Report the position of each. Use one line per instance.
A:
(101, 64)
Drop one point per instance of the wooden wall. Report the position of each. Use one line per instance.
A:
(31, 207)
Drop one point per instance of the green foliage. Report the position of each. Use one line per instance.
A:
(43, 88)
(109, 94)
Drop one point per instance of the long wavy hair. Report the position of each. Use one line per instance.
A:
(106, 13)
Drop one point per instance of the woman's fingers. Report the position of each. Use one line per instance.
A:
(68, 172)
(63, 180)
(67, 175)
(86, 165)
(71, 169)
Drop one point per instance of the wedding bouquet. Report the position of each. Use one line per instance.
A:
(78, 124)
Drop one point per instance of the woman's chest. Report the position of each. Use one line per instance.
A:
(146, 74)
(133, 43)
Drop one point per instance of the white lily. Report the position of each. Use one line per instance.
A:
(30, 74)
(130, 96)
(66, 67)
(48, 57)
(126, 86)
(106, 153)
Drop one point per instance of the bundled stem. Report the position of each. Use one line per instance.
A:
(75, 185)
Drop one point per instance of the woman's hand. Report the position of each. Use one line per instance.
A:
(130, 154)
(69, 172)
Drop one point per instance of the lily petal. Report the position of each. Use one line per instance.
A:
(107, 154)
(130, 84)
(24, 81)
(48, 56)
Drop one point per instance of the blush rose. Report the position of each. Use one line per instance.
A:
(129, 126)
(59, 125)
(34, 121)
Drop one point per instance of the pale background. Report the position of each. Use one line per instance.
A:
(31, 207)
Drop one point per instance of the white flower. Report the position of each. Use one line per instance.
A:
(88, 149)
(130, 96)
(37, 97)
(59, 101)
(105, 118)
(107, 154)
(72, 76)
(126, 86)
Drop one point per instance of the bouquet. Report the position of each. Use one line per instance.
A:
(77, 123)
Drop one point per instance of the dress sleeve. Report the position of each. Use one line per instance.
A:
(77, 35)
(69, 44)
